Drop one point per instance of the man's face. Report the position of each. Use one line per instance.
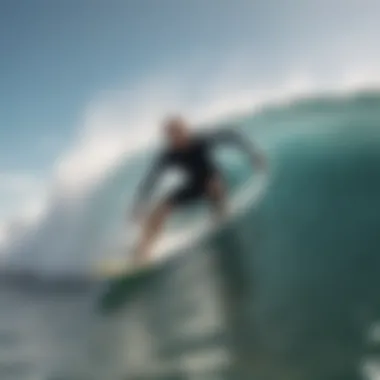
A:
(177, 133)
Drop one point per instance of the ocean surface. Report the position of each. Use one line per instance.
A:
(290, 290)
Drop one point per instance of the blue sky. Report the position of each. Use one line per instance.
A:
(63, 61)
(56, 56)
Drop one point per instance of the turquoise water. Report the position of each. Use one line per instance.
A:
(290, 290)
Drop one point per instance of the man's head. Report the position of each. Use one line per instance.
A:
(177, 132)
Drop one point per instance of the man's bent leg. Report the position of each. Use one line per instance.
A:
(217, 195)
(153, 226)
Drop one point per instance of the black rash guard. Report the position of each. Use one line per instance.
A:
(196, 161)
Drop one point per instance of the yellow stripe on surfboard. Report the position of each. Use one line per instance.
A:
(118, 267)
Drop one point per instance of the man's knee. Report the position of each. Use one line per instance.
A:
(216, 189)
(161, 212)
(216, 193)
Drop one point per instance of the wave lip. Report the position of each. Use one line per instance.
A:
(72, 232)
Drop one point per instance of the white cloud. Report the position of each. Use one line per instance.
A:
(18, 182)
(21, 194)
(3, 237)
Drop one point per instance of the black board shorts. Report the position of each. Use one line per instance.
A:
(194, 191)
(187, 194)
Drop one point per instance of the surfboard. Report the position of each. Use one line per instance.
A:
(173, 242)
(122, 280)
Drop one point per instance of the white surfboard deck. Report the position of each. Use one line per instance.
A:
(247, 196)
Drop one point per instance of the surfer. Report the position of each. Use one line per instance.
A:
(190, 152)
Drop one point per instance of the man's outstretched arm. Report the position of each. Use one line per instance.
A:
(232, 137)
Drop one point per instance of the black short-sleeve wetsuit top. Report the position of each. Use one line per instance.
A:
(195, 161)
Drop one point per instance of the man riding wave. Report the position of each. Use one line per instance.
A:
(192, 153)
